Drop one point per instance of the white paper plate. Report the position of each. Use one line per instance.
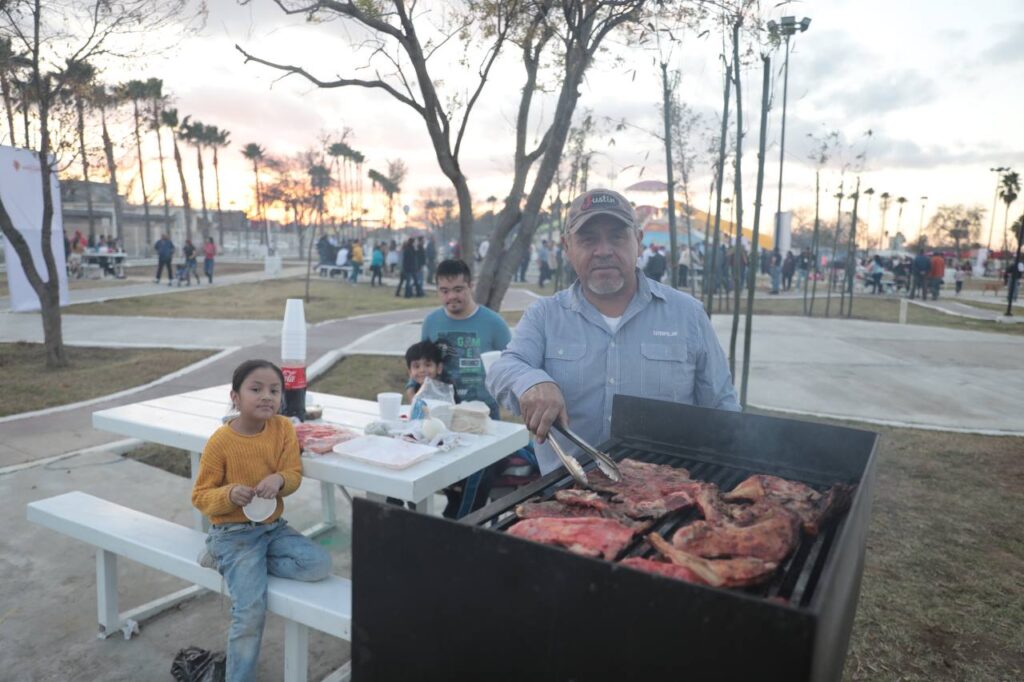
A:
(392, 453)
(260, 509)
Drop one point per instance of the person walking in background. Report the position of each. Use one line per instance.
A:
(421, 262)
(431, 259)
(191, 264)
(936, 273)
(788, 270)
(408, 268)
(356, 256)
(524, 264)
(209, 254)
(775, 266)
(876, 273)
(542, 263)
(655, 267)
(391, 257)
(377, 264)
(960, 275)
(919, 269)
(164, 248)
(803, 266)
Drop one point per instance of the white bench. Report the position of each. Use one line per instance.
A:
(118, 531)
(326, 270)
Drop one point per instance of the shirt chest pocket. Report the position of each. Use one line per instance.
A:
(564, 361)
(667, 371)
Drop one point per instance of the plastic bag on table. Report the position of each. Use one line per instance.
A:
(193, 664)
(434, 396)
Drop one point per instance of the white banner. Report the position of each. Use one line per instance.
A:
(21, 191)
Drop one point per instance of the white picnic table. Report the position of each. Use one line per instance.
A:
(187, 420)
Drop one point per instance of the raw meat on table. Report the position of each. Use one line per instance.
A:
(321, 438)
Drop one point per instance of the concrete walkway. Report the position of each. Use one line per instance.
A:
(957, 308)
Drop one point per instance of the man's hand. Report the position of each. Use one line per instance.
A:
(241, 495)
(541, 406)
(270, 486)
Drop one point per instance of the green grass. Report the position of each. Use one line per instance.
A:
(264, 300)
(93, 372)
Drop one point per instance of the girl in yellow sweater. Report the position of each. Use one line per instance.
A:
(255, 455)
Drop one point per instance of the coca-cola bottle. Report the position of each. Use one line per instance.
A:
(293, 359)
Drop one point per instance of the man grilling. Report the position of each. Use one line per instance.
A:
(614, 331)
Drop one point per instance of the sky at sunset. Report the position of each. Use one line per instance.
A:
(937, 82)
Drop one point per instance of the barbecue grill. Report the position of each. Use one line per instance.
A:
(437, 599)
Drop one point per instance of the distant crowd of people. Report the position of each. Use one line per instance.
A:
(414, 256)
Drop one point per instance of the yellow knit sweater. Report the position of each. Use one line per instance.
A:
(231, 459)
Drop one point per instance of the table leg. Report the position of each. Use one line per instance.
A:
(296, 651)
(327, 512)
(428, 505)
(199, 521)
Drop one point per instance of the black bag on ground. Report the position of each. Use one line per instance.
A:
(193, 664)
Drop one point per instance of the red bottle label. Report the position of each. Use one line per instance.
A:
(294, 377)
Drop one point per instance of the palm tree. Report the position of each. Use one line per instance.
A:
(157, 100)
(80, 77)
(218, 139)
(899, 214)
(105, 98)
(870, 192)
(886, 199)
(319, 180)
(340, 150)
(9, 61)
(169, 119)
(386, 185)
(1008, 190)
(195, 133)
(136, 90)
(397, 171)
(255, 153)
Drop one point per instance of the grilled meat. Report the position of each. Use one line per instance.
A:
(593, 537)
(772, 536)
(813, 508)
(739, 572)
(572, 503)
(663, 568)
(648, 490)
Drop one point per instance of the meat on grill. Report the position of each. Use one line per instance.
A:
(770, 536)
(813, 508)
(648, 490)
(693, 569)
(571, 503)
(593, 537)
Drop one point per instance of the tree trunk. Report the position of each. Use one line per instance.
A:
(108, 149)
(853, 248)
(220, 213)
(202, 191)
(672, 246)
(184, 188)
(814, 247)
(142, 174)
(163, 176)
(759, 191)
(835, 247)
(5, 93)
(719, 178)
(80, 109)
(738, 201)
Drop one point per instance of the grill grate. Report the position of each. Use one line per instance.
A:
(795, 579)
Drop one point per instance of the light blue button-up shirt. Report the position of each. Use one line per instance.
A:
(664, 348)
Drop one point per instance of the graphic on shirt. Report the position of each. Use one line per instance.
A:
(462, 362)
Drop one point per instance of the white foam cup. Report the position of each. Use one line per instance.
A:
(390, 405)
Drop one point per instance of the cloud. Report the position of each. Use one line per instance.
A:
(1009, 49)
(881, 94)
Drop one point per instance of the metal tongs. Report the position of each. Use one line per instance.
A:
(604, 462)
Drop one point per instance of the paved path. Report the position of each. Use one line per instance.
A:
(955, 307)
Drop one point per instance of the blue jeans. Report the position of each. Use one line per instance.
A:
(801, 279)
(246, 554)
(356, 268)
(776, 275)
(208, 269)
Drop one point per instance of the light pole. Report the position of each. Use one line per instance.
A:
(920, 225)
(787, 26)
(999, 176)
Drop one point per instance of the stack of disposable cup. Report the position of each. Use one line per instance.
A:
(293, 332)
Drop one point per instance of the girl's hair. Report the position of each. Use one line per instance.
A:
(250, 366)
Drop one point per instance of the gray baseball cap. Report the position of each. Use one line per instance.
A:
(597, 202)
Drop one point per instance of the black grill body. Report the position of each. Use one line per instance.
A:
(437, 599)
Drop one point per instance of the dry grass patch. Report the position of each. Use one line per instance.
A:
(263, 300)
(94, 372)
